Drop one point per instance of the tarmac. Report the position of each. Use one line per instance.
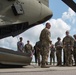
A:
(36, 70)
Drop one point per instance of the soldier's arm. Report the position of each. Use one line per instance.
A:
(18, 46)
(48, 36)
(72, 42)
(25, 47)
(31, 48)
(55, 45)
(63, 41)
(63, 45)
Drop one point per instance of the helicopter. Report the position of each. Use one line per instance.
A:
(19, 15)
(16, 16)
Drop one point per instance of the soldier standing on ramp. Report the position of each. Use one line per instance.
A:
(68, 43)
(45, 43)
(37, 49)
(52, 54)
(20, 45)
(28, 48)
(58, 46)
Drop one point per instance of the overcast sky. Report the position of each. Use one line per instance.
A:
(63, 19)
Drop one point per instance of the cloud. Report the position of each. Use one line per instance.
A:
(70, 15)
(9, 43)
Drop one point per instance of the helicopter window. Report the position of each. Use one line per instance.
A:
(17, 8)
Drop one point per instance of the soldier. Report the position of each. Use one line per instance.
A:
(74, 48)
(20, 45)
(58, 46)
(45, 43)
(37, 49)
(28, 47)
(68, 43)
(52, 55)
(35, 54)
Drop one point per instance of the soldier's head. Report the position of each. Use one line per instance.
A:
(28, 41)
(52, 46)
(67, 33)
(58, 38)
(48, 25)
(21, 38)
(74, 36)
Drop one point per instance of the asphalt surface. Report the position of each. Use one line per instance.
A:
(35, 70)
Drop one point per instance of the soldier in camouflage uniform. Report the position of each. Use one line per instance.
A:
(68, 43)
(58, 46)
(74, 49)
(28, 47)
(37, 48)
(52, 54)
(45, 43)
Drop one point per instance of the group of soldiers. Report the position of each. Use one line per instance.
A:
(68, 45)
(27, 48)
(44, 46)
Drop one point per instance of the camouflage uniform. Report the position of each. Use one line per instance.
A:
(74, 50)
(45, 41)
(28, 48)
(37, 47)
(52, 55)
(68, 43)
(58, 46)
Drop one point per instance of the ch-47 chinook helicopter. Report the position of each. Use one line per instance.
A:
(16, 16)
(19, 15)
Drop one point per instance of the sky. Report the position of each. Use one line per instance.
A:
(64, 18)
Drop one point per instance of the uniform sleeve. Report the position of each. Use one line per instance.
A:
(25, 46)
(18, 45)
(63, 41)
(31, 47)
(72, 41)
(48, 35)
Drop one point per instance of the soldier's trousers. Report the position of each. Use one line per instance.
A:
(44, 54)
(68, 56)
(38, 58)
(52, 57)
(63, 57)
(74, 54)
(59, 56)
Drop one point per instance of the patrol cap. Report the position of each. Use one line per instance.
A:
(27, 40)
(20, 37)
(67, 31)
(58, 38)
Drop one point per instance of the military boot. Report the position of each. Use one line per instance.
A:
(45, 66)
(46, 63)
